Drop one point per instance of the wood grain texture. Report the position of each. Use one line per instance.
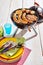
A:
(6, 8)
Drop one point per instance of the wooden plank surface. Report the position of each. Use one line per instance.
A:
(41, 36)
(6, 8)
(28, 3)
(35, 55)
(40, 26)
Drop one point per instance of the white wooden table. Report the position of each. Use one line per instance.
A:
(6, 8)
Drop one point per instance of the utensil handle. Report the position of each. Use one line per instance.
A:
(35, 3)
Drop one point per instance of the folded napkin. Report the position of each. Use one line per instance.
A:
(22, 60)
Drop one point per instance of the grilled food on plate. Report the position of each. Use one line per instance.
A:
(24, 16)
(11, 49)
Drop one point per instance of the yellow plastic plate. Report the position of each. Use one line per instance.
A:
(16, 56)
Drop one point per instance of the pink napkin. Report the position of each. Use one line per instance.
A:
(21, 61)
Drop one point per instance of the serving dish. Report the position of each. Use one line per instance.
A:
(22, 25)
(13, 58)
